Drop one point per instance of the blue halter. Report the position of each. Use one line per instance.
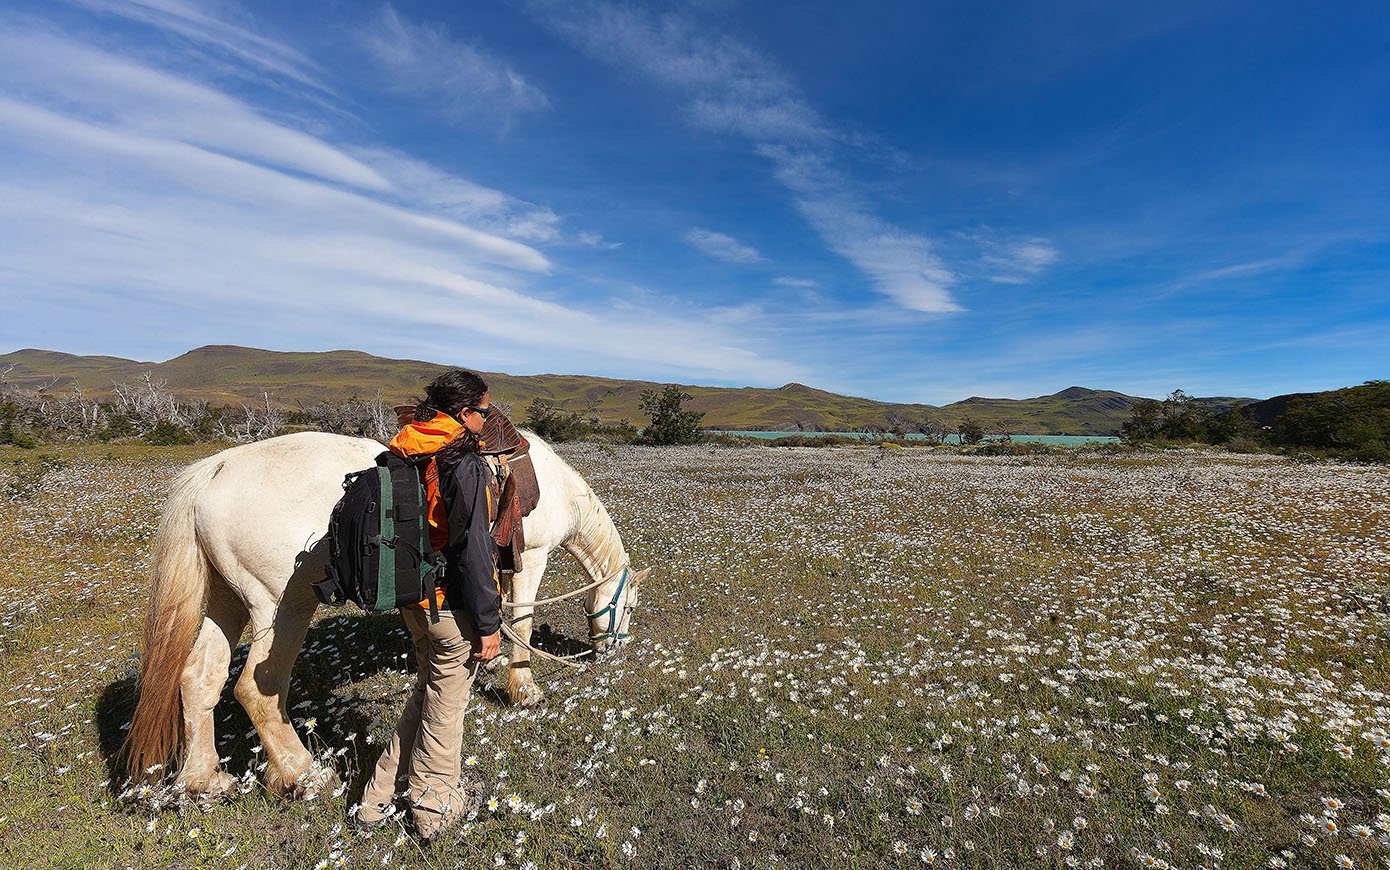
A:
(612, 611)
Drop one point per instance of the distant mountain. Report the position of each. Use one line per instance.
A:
(230, 375)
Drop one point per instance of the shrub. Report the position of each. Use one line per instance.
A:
(1016, 448)
(671, 423)
(166, 434)
(10, 433)
(1245, 444)
(117, 426)
(553, 424)
(622, 432)
(971, 432)
(818, 441)
(1371, 451)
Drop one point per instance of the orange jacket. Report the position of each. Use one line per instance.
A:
(415, 439)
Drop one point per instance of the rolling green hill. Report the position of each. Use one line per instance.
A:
(229, 375)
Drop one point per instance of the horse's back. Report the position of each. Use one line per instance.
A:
(554, 518)
(268, 503)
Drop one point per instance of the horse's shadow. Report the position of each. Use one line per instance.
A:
(549, 640)
(333, 682)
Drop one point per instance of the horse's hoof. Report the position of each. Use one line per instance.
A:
(609, 650)
(305, 786)
(217, 787)
(525, 694)
(220, 785)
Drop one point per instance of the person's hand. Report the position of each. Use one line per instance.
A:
(488, 647)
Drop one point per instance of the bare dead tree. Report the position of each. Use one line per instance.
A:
(371, 418)
(257, 422)
(147, 403)
(934, 430)
(383, 419)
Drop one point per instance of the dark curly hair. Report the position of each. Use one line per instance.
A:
(450, 393)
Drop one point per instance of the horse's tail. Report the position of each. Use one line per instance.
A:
(178, 589)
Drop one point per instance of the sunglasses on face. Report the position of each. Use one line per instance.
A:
(481, 412)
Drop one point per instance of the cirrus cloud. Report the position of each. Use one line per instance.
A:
(462, 79)
(722, 247)
(731, 88)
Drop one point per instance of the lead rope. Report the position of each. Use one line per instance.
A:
(567, 661)
(564, 660)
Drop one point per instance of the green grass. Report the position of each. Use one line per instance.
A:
(840, 653)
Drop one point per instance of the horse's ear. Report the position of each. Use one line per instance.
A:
(640, 576)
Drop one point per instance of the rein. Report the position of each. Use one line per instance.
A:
(611, 610)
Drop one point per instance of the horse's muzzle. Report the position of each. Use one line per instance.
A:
(609, 648)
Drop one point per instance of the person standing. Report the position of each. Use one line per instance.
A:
(422, 763)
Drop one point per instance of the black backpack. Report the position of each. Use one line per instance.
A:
(379, 539)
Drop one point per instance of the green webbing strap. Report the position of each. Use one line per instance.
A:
(612, 611)
(386, 555)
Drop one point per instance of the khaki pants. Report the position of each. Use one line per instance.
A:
(423, 761)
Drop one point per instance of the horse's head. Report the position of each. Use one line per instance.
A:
(610, 611)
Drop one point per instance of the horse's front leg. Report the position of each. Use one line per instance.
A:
(521, 684)
(263, 689)
(201, 685)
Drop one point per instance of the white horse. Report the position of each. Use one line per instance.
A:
(242, 539)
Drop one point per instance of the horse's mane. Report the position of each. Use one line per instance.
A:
(594, 534)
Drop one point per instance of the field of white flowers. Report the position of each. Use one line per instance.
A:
(844, 657)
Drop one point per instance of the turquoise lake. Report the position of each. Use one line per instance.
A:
(1062, 440)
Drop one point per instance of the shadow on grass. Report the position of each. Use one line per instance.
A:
(333, 681)
(339, 654)
(549, 640)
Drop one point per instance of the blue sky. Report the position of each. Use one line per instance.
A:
(907, 201)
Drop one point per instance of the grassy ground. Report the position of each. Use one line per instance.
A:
(843, 658)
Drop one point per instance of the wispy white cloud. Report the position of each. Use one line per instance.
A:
(1287, 260)
(113, 201)
(730, 86)
(902, 265)
(216, 28)
(1016, 261)
(463, 80)
(591, 239)
(722, 247)
(440, 192)
(229, 178)
(733, 89)
(790, 281)
(135, 96)
(425, 186)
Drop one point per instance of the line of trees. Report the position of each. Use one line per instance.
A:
(1350, 423)
(1179, 418)
(149, 411)
(668, 421)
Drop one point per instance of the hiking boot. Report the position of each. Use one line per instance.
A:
(428, 820)
(472, 791)
(370, 817)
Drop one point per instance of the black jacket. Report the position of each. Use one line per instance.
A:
(470, 573)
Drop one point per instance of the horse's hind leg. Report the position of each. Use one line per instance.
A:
(200, 687)
(521, 685)
(278, 632)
